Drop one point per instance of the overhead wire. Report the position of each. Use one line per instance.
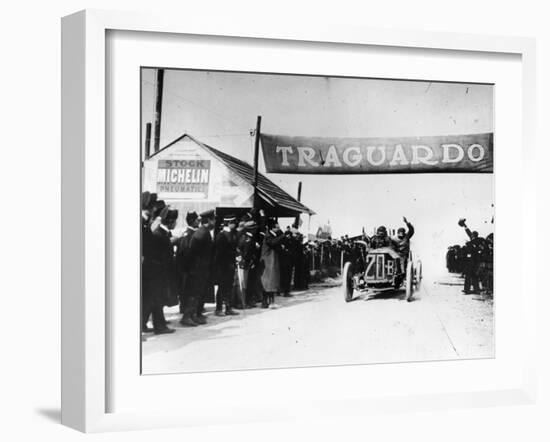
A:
(223, 117)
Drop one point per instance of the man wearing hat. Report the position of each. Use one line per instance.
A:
(201, 259)
(162, 265)
(381, 239)
(156, 210)
(147, 291)
(286, 260)
(474, 251)
(487, 262)
(187, 302)
(247, 254)
(224, 265)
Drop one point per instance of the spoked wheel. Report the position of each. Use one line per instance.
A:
(409, 282)
(347, 282)
(418, 274)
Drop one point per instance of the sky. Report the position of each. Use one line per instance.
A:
(220, 109)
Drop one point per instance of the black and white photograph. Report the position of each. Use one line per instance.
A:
(304, 221)
(275, 221)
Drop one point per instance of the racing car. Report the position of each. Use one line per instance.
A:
(380, 270)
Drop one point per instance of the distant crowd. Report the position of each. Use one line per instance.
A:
(474, 261)
(249, 259)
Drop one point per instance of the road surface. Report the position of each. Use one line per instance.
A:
(318, 327)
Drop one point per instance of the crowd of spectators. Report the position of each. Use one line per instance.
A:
(474, 261)
(243, 264)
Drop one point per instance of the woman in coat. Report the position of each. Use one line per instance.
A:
(270, 262)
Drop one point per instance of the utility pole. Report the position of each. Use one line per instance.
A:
(297, 220)
(147, 140)
(158, 107)
(256, 159)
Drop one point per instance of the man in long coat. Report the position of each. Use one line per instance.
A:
(187, 302)
(147, 290)
(248, 257)
(201, 259)
(162, 264)
(474, 250)
(225, 266)
(286, 262)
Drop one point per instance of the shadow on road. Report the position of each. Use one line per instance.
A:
(216, 325)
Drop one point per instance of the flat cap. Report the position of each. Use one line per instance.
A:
(208, 214)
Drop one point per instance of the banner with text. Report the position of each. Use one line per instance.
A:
(471, 153)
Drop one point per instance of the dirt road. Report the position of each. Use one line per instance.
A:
(318, 328)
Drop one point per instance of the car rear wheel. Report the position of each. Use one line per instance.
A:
(418, 274)
(409, 282)
(347, 282)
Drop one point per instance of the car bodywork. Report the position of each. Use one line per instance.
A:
(381, 269)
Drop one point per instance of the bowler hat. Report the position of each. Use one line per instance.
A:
(167, 215)
(191, 217)
(158, 207)
(148, 199)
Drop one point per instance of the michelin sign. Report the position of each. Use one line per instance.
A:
(183, 176)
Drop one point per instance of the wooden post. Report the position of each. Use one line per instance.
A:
(256, 159)
(297, 220)
(158, 107)
(147, 140)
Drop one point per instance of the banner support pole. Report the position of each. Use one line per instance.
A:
(256, 159)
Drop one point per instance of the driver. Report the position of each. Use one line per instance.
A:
(381, 239)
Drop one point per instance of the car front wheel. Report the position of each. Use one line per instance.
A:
(347, 282)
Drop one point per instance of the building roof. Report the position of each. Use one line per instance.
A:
(268, 191)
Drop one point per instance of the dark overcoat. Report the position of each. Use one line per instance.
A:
(201, 262)
(147, 267)
(224, 258)
(182, 257)
(164, 279)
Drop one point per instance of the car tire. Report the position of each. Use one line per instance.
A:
(409, 282)
(347, 282)
(418, 274)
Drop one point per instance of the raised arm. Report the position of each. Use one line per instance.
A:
(462, 223)
(410, 228)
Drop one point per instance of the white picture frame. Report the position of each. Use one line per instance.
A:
(85, 350)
